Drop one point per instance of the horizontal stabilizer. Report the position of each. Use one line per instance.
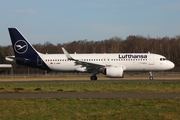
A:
(13, 58)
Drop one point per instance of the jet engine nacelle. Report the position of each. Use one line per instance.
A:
(114, 71)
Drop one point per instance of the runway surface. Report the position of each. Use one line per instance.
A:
(89, 95)
(105, 81)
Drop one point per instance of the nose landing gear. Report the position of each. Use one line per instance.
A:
(150, 76)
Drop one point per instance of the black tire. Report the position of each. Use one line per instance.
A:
(93, 77)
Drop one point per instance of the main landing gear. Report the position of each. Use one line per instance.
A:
(150, 76)
(93, 77)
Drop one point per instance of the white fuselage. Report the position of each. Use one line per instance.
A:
(130, 61)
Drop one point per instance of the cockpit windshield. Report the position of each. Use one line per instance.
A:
(163, 59)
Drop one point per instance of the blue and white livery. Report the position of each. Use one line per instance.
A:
(112, 65)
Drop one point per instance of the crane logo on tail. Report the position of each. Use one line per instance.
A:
(21, 46)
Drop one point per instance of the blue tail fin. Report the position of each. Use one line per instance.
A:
(25, 54)
(22, 48)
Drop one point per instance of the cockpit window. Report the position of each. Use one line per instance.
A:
(163, 59)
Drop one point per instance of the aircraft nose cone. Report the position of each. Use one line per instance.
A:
(171, 65)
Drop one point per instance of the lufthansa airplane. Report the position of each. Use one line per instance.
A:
(112, 65)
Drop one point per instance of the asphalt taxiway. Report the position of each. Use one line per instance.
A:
(75, 81)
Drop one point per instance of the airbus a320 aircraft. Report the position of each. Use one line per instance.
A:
(112, 65)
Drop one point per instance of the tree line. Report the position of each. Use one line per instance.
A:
(166, 46)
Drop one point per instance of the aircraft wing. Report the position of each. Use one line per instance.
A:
(88, 65)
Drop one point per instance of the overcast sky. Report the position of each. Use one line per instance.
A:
(62, 21)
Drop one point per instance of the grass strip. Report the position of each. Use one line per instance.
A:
(104, 109)
(92, 87)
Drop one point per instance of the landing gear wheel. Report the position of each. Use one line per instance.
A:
(93, 77)
(151, 78)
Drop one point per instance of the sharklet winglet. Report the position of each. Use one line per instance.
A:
(67, 54)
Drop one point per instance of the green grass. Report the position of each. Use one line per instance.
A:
(90, 109)
(93, 87)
